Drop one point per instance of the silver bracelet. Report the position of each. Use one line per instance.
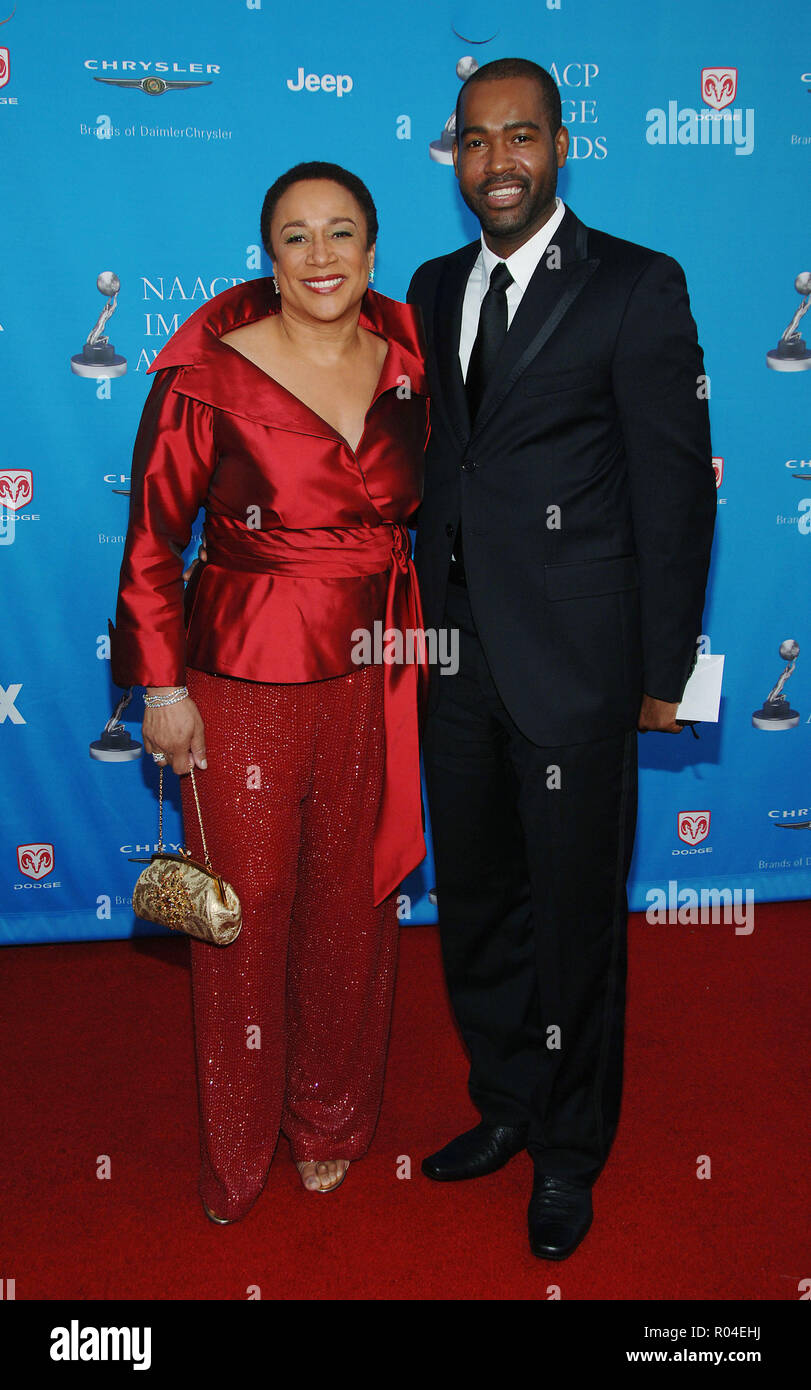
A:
(160, 701)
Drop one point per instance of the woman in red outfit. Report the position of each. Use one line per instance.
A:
(294, 410)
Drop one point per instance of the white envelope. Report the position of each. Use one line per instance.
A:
(702, 694)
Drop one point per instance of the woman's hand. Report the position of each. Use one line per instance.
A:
(199, 559)
(176, 730)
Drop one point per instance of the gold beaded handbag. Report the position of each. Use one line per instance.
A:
(179, 892)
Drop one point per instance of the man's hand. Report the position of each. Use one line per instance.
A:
(658, 716)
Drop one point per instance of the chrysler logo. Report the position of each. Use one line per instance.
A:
(153, 86)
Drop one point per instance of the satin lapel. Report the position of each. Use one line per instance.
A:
(548, 296)
(222, 377)
(447, 327)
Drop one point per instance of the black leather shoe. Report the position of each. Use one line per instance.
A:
(560, 1214)
(480, 1151)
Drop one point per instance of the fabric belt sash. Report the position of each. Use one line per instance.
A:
(344, 552)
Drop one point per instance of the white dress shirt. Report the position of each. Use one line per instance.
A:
(522, 265)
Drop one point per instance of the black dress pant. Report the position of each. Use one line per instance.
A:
(532, 847)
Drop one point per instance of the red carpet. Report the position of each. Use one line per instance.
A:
(98, 1059)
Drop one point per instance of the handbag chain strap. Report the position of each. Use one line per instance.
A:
(199, 816)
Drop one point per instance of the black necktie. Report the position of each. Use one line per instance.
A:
(489, 338)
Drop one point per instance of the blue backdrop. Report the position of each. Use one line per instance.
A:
(691, 133)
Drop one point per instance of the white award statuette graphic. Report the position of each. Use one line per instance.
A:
(115, 745)
(441, 150)
(775, 714)
(98, 357)
(791, 353)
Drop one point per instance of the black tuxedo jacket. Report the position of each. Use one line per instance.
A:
(585, 485)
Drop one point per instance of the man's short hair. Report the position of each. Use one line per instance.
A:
(503, 68)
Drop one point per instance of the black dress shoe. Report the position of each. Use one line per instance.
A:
(560, 1214)
(480, 1151)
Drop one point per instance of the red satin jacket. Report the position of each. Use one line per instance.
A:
(306, 539)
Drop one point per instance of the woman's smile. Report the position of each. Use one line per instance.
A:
(324, 284)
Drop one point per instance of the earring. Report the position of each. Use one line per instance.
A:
(371, 275)
(275, 284)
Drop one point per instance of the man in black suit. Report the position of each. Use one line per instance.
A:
(565, 531)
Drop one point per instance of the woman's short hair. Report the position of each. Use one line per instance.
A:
(319, 169)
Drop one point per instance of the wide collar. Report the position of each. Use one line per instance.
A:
(560, 276)
(215, 373)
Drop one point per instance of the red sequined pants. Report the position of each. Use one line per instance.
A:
(291, 1019)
